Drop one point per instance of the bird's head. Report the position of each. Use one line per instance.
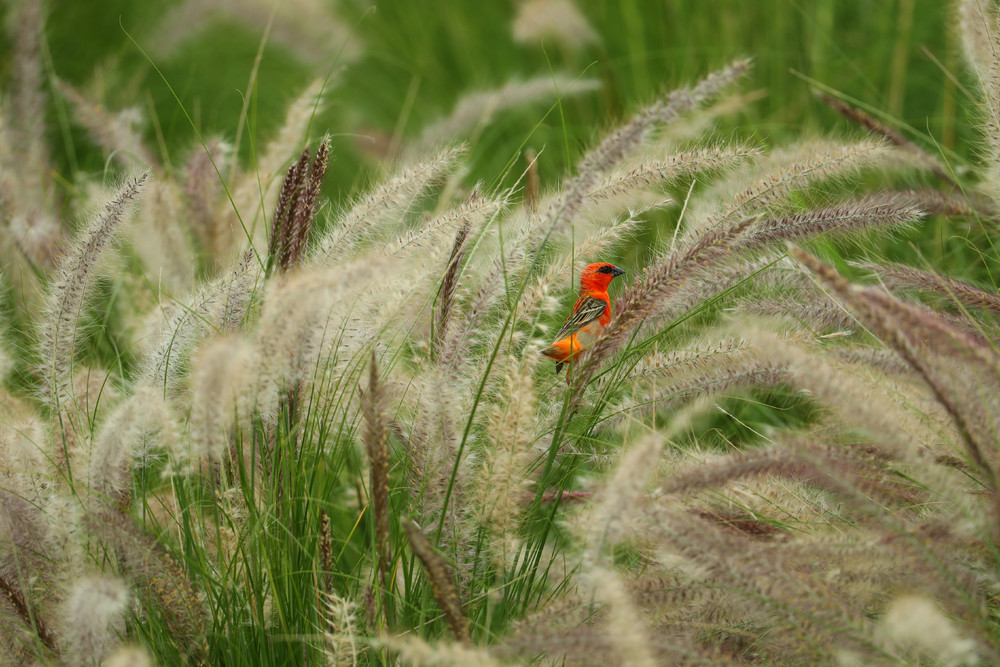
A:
(598, 276)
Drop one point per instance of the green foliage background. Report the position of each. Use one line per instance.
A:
(897, 57)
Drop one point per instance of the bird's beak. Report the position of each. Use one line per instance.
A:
(617, 272)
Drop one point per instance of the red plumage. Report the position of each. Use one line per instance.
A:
(591, 313)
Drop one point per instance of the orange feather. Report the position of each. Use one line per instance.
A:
(590, 314)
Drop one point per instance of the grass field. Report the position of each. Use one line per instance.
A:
(277, 280)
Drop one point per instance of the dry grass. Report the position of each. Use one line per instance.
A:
(306, 379)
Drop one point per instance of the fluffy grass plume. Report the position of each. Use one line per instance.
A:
(303, 417)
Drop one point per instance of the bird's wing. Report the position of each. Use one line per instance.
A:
(588, 309)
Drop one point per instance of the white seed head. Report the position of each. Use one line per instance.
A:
(557, 20)
(93, 615)
(915, 625)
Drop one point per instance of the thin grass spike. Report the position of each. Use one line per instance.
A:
(376, 438)
(441, 581)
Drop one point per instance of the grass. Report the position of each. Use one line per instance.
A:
(409, 53)
(261, 415)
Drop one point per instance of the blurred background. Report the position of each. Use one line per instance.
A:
(397, 66)
(548, 76)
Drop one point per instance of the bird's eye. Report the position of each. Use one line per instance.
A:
(604, 269)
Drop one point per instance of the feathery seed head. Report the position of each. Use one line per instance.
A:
(650, 168)
(389, 201)
(117, 133)
(161, 579)
(204, 198)
(126, 435)
(977, 22)
(626, 139)
(412, 650)
(915, 626)
(477, 109)
(67, 295)
(129, 656)
(222, 380)
(342, 643)
(313, 321)
(558, 20)
(219, 305)
(878, 211)
(376, 439)
(602, 523)
(160, 242)
(944, 357)
(294, 216)
(901, 277)
(442, 585)
(312, 32)
(24, 435)
(247, 199)
(25, 25)
(93, 619)
(504, 474)
(624, 624)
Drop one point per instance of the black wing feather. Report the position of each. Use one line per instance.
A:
(589, 309)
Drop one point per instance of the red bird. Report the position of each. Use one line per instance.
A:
(591, 313)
